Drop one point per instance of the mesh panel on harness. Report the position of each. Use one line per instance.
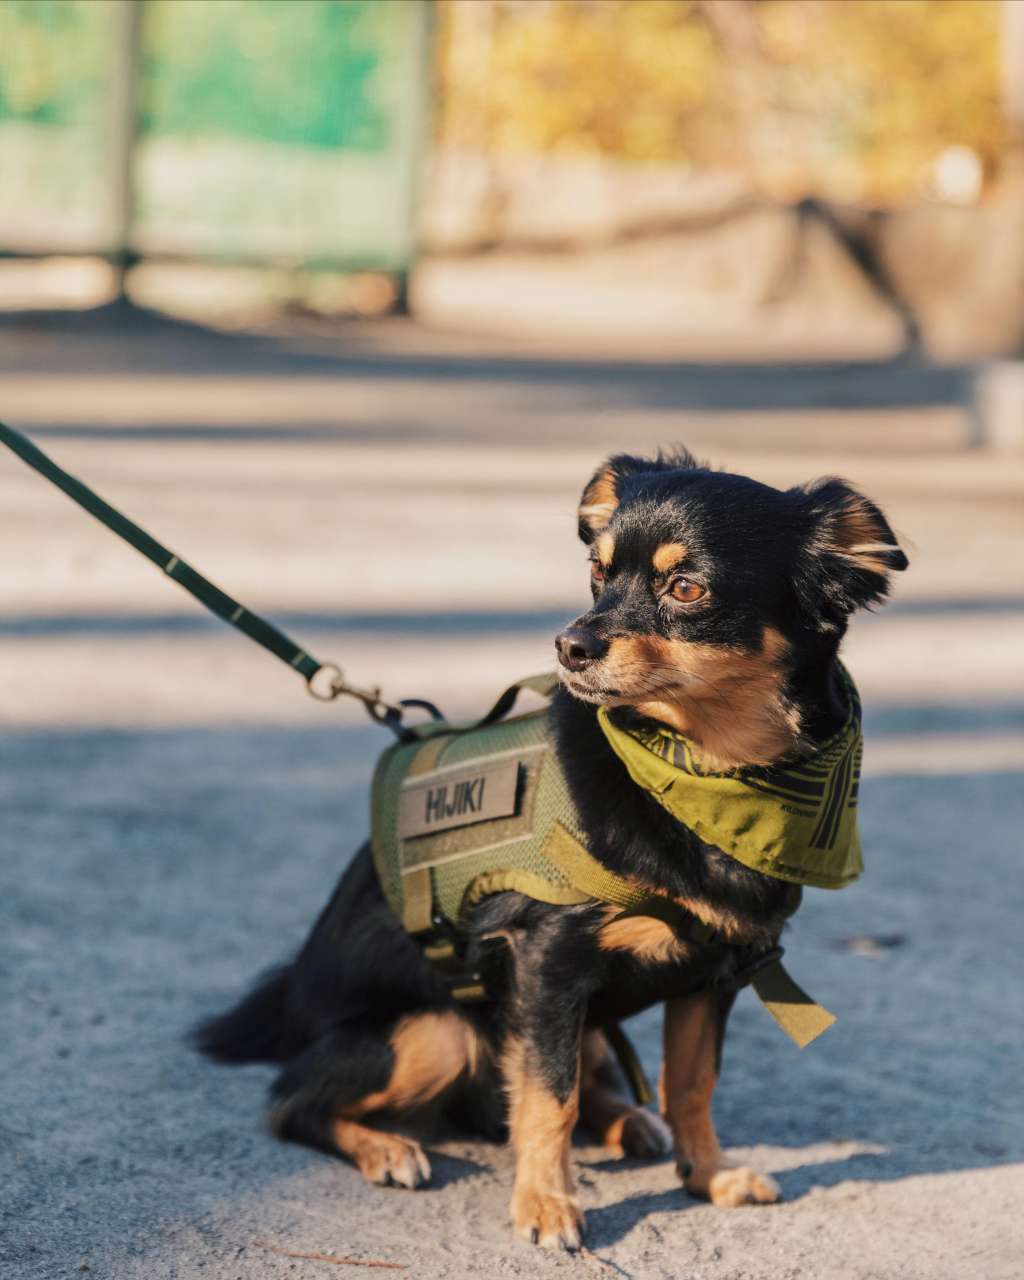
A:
(463, 863)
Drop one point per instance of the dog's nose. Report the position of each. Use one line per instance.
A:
(578, 648)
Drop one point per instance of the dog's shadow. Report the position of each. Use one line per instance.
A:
(608, 1224)
(859, 1166)
(447, 1169)
(621, 1164)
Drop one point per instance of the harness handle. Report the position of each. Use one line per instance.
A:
(544, 684)
(264, 633)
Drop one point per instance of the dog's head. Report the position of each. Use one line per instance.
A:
(711, 591)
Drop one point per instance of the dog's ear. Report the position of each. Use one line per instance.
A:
(599, 500)
(848, 554)
(603, 491)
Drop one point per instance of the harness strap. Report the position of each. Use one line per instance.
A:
(544, 685)
(801, 1017)
(585, 872)
(629, 1061)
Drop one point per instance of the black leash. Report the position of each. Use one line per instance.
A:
(330, 686)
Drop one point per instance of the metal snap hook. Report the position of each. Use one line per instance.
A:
(326, 690)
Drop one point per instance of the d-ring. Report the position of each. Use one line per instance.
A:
(333, 688)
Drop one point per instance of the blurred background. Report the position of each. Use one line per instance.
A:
(345, 301)
(757, 176)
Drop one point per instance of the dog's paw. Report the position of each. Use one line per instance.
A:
(640, 1134)
(729, 1188)
(552, 1221)
(391, 1161)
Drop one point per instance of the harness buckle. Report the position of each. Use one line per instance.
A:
(470, 979)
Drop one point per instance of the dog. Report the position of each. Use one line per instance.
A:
(719, 605)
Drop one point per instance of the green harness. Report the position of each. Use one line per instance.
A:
(462, 812)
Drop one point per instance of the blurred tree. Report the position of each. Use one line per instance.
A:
(848, 100)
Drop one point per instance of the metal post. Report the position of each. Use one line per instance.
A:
(122, 132)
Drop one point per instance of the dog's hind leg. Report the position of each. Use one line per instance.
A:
(625, 1129)
(386, 1159)
(326, 1096)
(694, 1029)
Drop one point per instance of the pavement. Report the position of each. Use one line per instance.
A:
(176, 809)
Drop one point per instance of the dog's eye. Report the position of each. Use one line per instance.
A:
(596, 572)
(685, 590)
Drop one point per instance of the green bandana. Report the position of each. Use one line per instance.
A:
(796, 822)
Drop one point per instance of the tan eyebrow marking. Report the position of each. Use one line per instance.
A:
(604, 545)
(668, 555)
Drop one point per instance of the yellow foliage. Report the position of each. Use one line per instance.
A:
(843, 97)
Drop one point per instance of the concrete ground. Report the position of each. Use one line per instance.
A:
(176, 809)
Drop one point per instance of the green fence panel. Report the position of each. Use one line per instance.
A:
(266, 130)
(55, 158)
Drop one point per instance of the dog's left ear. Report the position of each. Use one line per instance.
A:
(849, 553)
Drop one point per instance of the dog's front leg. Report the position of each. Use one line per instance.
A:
(542, 1075)
(694, 1030)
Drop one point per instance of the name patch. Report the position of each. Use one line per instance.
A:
(457, 798)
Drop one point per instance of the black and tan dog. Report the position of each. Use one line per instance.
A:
(719, 607)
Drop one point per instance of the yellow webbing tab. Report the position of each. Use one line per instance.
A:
(417, 900)
(802, 1018)
(469, 995)
(441, 954)
(427, 757)
(584, 872)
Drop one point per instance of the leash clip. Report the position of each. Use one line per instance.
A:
(389, 714)
(336, 686)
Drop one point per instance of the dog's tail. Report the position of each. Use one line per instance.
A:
(257, 1029)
